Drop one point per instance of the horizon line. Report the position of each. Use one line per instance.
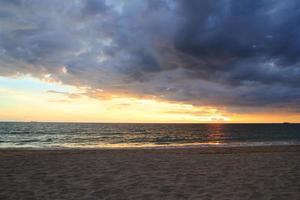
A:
(86, 122)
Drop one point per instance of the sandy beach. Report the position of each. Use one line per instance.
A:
(194, 173)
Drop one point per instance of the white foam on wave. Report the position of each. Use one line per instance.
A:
(154, 146)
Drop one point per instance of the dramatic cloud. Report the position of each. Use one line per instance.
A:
(234, 54)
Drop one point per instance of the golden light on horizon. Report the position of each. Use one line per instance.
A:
(66, 103)
(50, 101)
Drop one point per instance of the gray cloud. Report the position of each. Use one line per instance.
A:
(237, 54)
(67, 94)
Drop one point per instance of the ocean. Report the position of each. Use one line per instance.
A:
(111, 135)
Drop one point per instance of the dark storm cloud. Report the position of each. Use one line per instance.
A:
(242, 37)
(93, 7)
(227, 53)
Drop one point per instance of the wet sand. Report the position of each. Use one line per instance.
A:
(194, 173)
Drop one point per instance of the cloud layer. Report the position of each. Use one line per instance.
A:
(234, 54)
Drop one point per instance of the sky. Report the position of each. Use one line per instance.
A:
(150, 61)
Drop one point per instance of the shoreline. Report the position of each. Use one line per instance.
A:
(177, 146)
(266, 144)
(201, 150)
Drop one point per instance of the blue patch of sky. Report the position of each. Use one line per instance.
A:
(29, 84)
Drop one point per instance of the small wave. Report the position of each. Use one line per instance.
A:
(19, 132)
(157, 146)
(28, 141)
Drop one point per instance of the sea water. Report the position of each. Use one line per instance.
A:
(113, 135)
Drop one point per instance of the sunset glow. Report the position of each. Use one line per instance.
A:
(29, 99)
